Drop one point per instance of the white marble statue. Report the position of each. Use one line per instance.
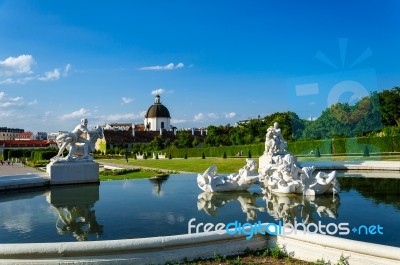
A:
(211, 181)
(280, 173)
(274, 142)
(78, 147)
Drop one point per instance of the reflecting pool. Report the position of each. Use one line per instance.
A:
(159, 207)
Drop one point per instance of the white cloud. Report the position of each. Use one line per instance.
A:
(67, 69)
(212, 115)
(143, 113)
(75, 114)
(199, 117)
(6, 102)
(230, 115)
(17, 65)
(49, 76)
(169, 66)
(126, 100)
(123, 117)
(21, 68)
(33, 102)
(175, 121)
(9, 81)
(158, 91)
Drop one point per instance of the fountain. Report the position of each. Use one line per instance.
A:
(278, 172)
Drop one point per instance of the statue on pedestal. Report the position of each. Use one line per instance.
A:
(78, 146)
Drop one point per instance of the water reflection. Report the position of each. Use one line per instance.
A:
(289, 207)
(379, 190)
(157, 184)
(285, 207)
(75, 208)
(210, 202)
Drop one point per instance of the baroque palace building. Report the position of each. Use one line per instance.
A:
(157, 121)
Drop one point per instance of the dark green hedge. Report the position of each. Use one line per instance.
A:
(256, 150)
(302, 147)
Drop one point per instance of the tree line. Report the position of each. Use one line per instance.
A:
(375, 115)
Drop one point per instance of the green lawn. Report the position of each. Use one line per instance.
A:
(196, 165)
(225, 166)
(132, 175)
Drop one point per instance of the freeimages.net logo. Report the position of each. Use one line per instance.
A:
(258, 228)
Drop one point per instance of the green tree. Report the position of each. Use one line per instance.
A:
(390, 107)
(157, 143)
(183, 140)
(195, 142)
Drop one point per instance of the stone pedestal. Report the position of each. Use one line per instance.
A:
(73, 172)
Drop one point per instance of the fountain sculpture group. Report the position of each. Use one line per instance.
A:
(278, 172)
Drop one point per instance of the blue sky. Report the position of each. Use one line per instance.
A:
(214, 62)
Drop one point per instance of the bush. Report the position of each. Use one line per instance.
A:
(203, 156)
(317, 153)
(366, 151)
(118, 172)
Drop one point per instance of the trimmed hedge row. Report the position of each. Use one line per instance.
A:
(302, 147)
(234, 150)
(40, 154)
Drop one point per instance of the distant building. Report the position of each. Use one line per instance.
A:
(9, 133)
(117, 135)
(157, 117)
(41, 136)
(24, 136)
(118, 126)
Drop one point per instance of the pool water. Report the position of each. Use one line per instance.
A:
(160, 207)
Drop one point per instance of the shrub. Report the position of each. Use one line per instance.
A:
(317, 153)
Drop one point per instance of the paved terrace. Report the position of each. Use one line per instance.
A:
(17, 176)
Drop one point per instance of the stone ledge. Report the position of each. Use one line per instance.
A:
(159, 250)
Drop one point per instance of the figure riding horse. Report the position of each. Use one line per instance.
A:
(77, 145)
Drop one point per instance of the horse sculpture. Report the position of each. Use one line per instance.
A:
(77, 150)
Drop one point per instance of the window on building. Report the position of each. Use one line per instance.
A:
(162, 125)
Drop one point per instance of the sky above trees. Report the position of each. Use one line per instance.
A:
(213, 62)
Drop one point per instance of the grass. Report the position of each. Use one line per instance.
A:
(274, 256)
(228, 165)
(197, 165)
(130, 174)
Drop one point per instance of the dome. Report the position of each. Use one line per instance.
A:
(157, 110)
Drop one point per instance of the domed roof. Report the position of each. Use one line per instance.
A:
(157, 110)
